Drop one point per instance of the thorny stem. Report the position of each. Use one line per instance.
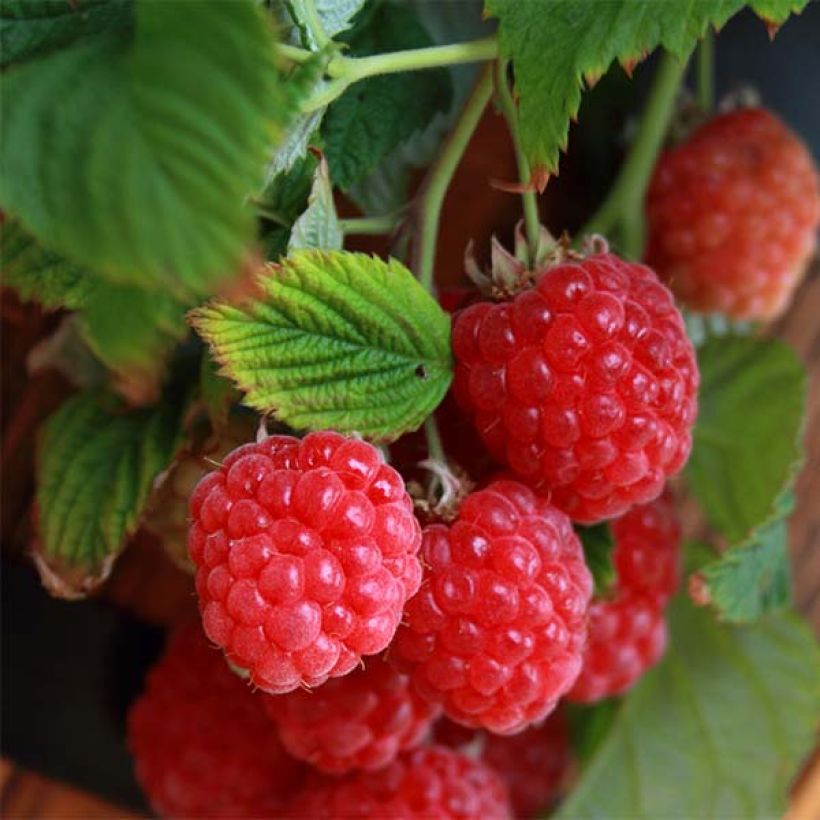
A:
(706, 71)
(528, 199)
(371, 225)
(441, 173)
(623, 207)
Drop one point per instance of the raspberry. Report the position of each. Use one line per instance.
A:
(200, 739)
(497, 630)
(428, 782)
(585, 385)
(360, 721)
(733, 214)
(306, 553)
(532, 763)
(167, 517)
(627, 630)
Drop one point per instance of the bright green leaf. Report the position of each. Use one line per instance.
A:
(38, 274)
(29, 28)
(96, 464)
(556, 45)
(134, 155)
(375, 115)
(753, 577)
(718, 729)
(339, 340)
(747, 438)
(318, 227)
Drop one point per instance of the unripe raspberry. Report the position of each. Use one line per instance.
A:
(431, 782)
(733, 215)
(627, 627)
(585, 385)
(360, 721)
(496, 632)
(532, 763)
(306, 553)
(202, 744)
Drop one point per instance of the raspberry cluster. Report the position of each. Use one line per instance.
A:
(627, 629)
(733, 214)
(306, 552)
(497, 629)
(201, 741)
(585, 385)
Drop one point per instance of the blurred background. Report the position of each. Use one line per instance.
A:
(69, 670)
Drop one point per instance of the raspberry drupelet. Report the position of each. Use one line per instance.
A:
(584, 385)
(429, 782)
(306, 552)
(627, 629)
(360, 721)
(733, 214)
(201, 742)
(496, 632)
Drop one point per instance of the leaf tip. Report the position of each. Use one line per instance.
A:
(539, 178)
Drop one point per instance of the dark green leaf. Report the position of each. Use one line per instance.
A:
(218, 393)
(556, 45)
(598, 545)
(29, 28)
(96, 464)
(747, 445)
(339, 340)
(373, 116)
(134, 155)
(716, 730)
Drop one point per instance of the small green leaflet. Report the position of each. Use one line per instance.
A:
(38, 274)
(339, 340)
(96, 464)
(747, 445)
(598, 545)
(375, 115)
(753, 577)
(332, 16)
(29, 28)
(173, 125)
(558, 44)
(318, 227)
(718, 729)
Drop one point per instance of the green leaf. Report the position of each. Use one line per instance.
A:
(754, 577)
(133, 332)
(747, 445)
(218, 393)
(375, 115)
(557, 45)
(29, 28)
(716, 730)
(318, 227)
(589, 725)
(334, 16)
(96, 464)
(598, 545)
(66, 351)
(339, 340)
(295, 144)
(141, 170)
(38, 274)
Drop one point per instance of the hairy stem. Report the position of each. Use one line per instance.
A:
(528, 200)
(435, 449)
(706, 71)
(623, 208)
(371, 225)
(441, 173)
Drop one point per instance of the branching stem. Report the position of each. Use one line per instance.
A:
(370, 225)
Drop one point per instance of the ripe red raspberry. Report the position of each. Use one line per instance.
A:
(360, 721)
(497, 629)
(200, 739)
(585, 385)
(306, 553)
(428, 782)
(627, 629)
(532, 763)
(733, 214)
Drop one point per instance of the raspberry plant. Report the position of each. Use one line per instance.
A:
(186, 179)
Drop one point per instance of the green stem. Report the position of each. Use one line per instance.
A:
(370, 225)
(441, 173)
(294, 53)
(528, 199)
(706, 71)
(314, 23)
(270, 214)
(623, 207)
